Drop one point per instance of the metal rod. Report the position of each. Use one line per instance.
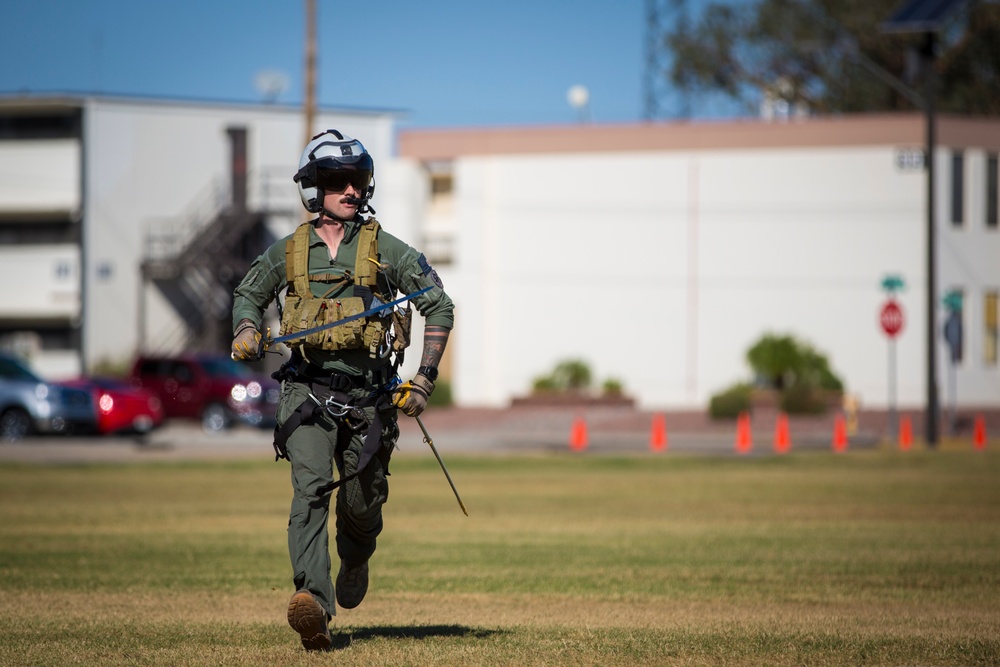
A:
(430, 443)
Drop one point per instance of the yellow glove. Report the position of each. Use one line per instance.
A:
(246, 342)
(411, 397)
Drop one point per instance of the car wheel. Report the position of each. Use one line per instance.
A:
(215, 418)
(14, 425)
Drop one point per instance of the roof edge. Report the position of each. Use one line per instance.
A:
(744, 133)
(71, 99)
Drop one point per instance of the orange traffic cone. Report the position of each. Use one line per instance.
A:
(979, 433)
(578, 435)
(744, 439)
(658, 433)
(839, 434)
(782, 441)
(905, 433)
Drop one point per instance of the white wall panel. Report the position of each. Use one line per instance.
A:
(40, 176)
(42, 281)
(661, 269)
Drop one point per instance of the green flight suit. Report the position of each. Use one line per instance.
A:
(320, 443)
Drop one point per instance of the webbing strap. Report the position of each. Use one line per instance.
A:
(297, 261)
(366, 264)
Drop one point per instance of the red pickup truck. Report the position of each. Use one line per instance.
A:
(213, 388)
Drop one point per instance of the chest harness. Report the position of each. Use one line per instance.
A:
(304, 311)
(380, 334)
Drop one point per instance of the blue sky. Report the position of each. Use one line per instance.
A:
(445, 62)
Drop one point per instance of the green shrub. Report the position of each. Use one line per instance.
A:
(543, 384)
(613, 387)
(730, 402)
(568, 375)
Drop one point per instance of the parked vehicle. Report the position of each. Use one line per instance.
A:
(215, 389)
(29, 404)
(121, 408)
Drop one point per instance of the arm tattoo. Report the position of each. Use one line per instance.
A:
(435, 340)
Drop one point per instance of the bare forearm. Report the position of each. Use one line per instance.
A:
(435, 340)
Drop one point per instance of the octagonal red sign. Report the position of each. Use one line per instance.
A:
(891, 319)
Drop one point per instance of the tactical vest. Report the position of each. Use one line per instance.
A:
(304, 311)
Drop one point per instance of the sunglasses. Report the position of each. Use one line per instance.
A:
(331, 180)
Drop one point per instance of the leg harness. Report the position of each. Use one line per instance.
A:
(329, 393)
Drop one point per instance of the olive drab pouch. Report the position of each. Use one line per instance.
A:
(348, 336)
(402, 323)
(374, 334)
(302, 314)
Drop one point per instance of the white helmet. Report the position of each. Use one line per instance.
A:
(330, 161)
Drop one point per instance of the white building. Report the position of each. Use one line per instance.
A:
(659, 253)
(91, 187)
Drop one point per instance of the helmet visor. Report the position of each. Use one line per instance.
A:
(337, 180)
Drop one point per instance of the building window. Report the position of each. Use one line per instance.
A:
(991, 335)
(991, 191)
(56, 125)
(957, 188)
(33, 232)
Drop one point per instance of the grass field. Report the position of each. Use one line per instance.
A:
(875, 558)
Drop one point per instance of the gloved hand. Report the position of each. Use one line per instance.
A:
(411, 397)
(246, 342)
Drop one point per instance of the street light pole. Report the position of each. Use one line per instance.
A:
(928, 17)
(931, 424)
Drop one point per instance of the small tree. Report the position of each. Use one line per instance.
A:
(775, 359)
(781, 361)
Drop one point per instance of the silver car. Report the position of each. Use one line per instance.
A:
(29, 404)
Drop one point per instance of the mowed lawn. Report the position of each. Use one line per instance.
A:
(875, 558)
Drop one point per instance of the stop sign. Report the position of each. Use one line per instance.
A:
(891, 319)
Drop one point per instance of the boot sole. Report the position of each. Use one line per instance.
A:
(308, 618)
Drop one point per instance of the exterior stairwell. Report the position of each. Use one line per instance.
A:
(197, 261)
(199, 276)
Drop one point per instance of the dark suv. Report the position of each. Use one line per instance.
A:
(213, 388)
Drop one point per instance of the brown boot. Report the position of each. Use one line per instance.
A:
(308, 618)
(352, 584)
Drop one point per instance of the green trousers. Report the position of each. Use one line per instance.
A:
(314, 449)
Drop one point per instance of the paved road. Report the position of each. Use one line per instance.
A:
(453, 431)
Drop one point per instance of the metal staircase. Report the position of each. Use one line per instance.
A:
(197, 259)
(197, 263)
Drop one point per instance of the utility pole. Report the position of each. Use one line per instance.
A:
(310, 77)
